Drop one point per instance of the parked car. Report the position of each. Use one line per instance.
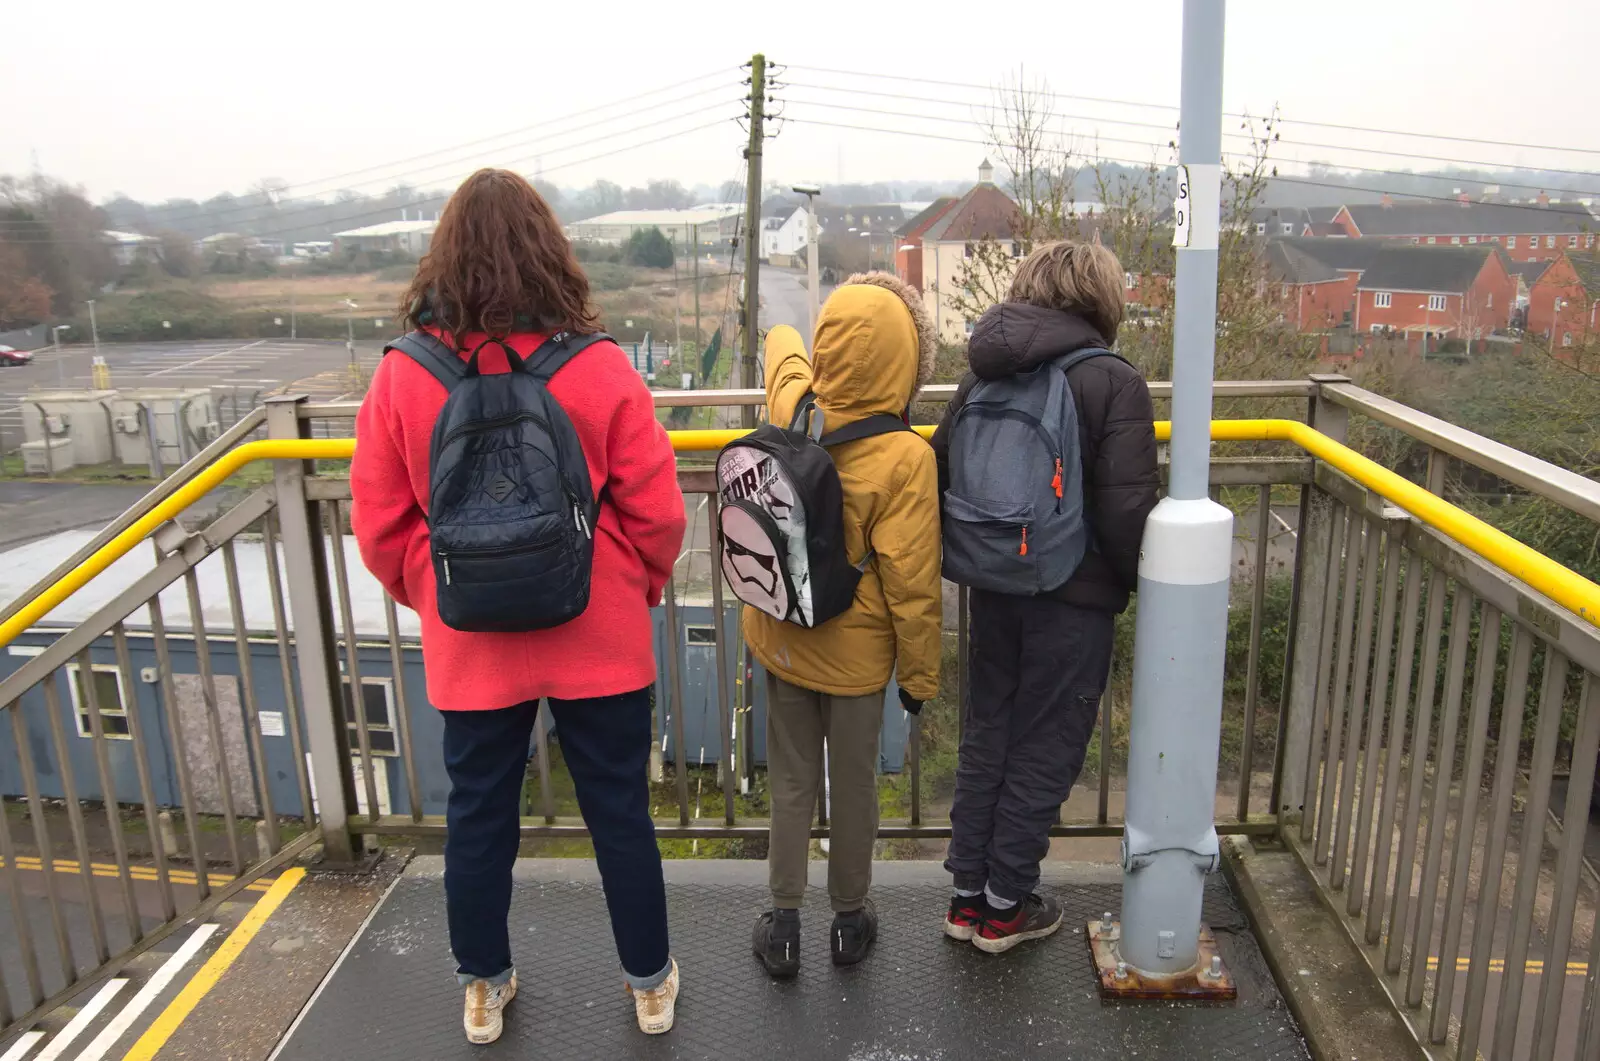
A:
(10, 355)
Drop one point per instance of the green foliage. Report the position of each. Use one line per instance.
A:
(650, 249)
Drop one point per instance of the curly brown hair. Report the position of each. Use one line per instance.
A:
(499, 263)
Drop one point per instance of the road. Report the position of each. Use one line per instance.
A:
(784, 299)
(249, 366)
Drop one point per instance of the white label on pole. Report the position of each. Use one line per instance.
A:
(272, 724)
(1197, 208)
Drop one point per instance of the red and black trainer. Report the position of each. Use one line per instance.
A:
(966, 913)
(1033, 918)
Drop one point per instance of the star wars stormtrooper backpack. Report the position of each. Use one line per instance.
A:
(782, 517)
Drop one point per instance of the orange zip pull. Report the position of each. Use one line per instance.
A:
(1024, 550)
(1055, 483)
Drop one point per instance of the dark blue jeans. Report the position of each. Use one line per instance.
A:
(606, 744)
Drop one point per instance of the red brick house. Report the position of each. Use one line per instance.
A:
(1443, 292)
(1564, 302)
(1313, 280)
(908, 240)
(1537, 231)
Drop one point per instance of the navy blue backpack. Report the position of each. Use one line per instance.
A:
(511, 510)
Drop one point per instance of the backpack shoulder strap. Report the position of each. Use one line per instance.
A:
(432, 354)
(554, 353)
(879, 424)
(1078, 357)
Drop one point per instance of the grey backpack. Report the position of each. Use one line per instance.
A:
(1013, 513)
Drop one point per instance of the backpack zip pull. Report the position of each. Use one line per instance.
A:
(1024, 550)
(1055, 484)
(446, 560)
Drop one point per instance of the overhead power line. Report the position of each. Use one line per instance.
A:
(317, 203)
(1172, 128)
(1096, 137)
(1146, 162)
(1172, 107)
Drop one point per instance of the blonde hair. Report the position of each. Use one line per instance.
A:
(1081, 278)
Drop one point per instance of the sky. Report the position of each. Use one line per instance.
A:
(171, 98)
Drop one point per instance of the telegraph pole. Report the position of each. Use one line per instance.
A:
(752, 230)
(1169, 842)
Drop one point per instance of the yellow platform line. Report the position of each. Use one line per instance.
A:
(171, 1018)
(1498, 965)
(140, 873)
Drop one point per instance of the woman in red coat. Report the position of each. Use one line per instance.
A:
(500, 266)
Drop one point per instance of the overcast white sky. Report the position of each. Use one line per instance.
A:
(172, 98)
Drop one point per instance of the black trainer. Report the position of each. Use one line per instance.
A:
(1035, 917)
(966, 914)
(853, 934)
(776, 942)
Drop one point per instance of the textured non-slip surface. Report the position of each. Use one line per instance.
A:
(919, 996)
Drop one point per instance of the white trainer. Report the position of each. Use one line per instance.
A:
(484, 1018)
(657, 1008)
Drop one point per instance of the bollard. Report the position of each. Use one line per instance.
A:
(169, 835)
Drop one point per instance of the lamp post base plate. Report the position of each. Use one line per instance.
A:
(1208, 981)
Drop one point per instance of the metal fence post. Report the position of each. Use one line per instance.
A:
(1311, 588)
(311, 610)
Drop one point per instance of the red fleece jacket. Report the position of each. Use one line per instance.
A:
(607, 650)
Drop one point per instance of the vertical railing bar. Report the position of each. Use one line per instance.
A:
(1416, 774)
(1377, 697)
(541, 745)
(1524, 899)
(1394, 747)
(963, 669)
(1107, 700)
(1325, 638)
(680, 755)
(208, 694)
(914, 754)
(402, 707)
(291, 695)
(19, 910)
(247, 700)
(75, 819)
(1280, 751)
(1338, 709)
(1589, 1010)
(1569, 867)
(1466, 821)
(1455, 673)
(720, 659)
(108, 794)
(1258, 603)
(1493, 866)
(7, 1015)
(180, 760)
(147, 791)
(41, 839)
(357, 697)
(1355, 714)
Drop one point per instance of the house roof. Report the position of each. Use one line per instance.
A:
(924, 219)
(388, 228)
(1326, 230)
(1419, 218)
(873, 217)
(1288, 263)
(985, 212)
(699, 215)
(1529, 271)
(1348, 255)
(128, 238)
(1439, 270)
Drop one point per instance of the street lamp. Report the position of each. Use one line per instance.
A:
(350, 332)
(1555, 311)
(811, 191)
(55, 338)
(94, 328)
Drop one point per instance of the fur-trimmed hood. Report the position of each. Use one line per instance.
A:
(927, 337)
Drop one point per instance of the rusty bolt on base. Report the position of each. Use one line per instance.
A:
(1208, 981)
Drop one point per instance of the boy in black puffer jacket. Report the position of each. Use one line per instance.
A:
(1038, 664)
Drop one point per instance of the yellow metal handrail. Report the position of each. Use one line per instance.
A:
(1562, 585)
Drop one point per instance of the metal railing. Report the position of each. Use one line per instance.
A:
(1390, 785)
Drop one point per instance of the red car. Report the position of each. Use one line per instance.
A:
(10, 356)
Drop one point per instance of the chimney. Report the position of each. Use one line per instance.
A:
(1543, 199)
(1387, 201)
(985, 172)
(1464, 199)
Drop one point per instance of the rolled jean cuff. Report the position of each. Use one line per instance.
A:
(970, 882)
(467, 979)
(648, 983)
